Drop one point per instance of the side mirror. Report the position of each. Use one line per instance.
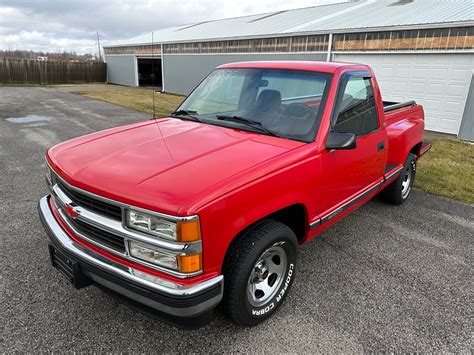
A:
(338, 140)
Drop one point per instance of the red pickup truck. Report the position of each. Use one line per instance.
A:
(178, 214)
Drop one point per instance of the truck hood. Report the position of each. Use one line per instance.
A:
(164, 165)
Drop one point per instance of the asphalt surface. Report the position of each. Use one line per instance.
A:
(384, 279)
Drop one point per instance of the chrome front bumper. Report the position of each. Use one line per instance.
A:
(157, 293)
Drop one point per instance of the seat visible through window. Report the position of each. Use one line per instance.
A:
(269, 101)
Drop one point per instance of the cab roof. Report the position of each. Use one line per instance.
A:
(325, 67)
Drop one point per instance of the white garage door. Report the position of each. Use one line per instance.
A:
(440, 82)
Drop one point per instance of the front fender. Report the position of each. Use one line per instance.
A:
(224, 219)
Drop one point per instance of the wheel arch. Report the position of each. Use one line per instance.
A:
(295, 216)
(415, 149)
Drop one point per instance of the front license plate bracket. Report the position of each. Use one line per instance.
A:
(69, 268)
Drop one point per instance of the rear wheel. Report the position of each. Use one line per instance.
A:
(399, 190)
(258, 272)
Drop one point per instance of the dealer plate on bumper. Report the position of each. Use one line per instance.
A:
(68, 267)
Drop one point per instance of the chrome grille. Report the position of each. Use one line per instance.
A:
(98, 220)
(91, 203)
(89, 231)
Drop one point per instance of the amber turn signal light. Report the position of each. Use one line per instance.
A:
(190, 263)
(188, 231)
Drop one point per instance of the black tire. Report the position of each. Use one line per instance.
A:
(244, 253)
(396, 193)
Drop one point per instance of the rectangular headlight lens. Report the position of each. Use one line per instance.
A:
(151, 225)
(181, 231)
(153, 256)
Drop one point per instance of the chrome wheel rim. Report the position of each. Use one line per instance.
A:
(406, 184)
(267, 276)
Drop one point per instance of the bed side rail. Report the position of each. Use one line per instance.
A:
(395, 106)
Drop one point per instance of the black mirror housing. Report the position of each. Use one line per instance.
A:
(339, 140)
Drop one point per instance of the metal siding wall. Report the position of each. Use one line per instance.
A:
(121, 69)
(466, 131)
(182, 72)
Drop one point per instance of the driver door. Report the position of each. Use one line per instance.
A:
(347, 174)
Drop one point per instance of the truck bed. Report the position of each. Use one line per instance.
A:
(398, 111)
(391, 106)
(405, 126)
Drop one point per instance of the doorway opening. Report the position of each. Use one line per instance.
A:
(147, 68)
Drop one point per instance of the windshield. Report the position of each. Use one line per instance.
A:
(284, 103)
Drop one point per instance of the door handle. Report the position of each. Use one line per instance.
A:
(380, 146)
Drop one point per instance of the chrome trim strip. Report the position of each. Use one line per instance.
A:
(350, 203)
(154, 282)
(117, 228)
(345, 206)
(127, 255)
(124, 205)
(388, 177)
(61, 196)
(85, 237)
(425, 149)
(315, 224)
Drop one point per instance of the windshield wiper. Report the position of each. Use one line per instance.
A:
(186, 113)
(248, 122)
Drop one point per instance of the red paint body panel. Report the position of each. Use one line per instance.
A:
(405, 131)
(172, 161)
(323, 67)
(232, 178)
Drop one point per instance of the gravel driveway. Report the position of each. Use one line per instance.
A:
(385, 278)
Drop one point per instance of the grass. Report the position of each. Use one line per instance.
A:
(446, 170)
(138, 99)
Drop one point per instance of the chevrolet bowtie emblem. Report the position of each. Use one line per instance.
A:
(71, 211)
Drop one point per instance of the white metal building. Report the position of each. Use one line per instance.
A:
(419, 49)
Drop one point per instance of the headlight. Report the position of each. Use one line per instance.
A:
(181, 231)
(181, 263)
(153, 256)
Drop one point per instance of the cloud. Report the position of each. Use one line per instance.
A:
(49, 25)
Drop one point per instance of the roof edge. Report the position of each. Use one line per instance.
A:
(433, 25)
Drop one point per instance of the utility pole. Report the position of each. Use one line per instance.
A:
(98, 45)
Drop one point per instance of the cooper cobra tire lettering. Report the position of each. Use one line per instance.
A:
(264, 252)
(287, 283)
(263, 310)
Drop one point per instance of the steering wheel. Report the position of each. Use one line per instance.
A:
(298, 110)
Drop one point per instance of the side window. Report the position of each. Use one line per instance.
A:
(357, 112)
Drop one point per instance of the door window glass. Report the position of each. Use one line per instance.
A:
(357, 112)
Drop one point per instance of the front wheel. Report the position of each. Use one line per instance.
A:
(399, 190)
(258, 272)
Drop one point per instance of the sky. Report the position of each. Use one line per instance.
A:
(71, 25)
